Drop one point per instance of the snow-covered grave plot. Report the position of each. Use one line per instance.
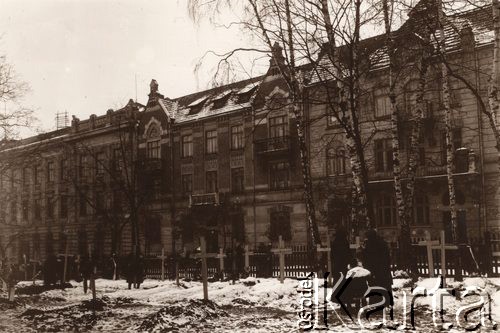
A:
(249, 305)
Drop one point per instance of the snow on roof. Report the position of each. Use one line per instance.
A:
(198, 101)
(247, 88)
(479, 20)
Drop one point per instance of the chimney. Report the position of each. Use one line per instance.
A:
(154, 95)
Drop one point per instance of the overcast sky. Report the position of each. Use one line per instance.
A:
(83, 56)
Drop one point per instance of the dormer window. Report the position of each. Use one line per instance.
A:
(196, 106)
(246, 93)
(221, 100)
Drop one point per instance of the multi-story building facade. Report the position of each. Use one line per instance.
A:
(224, 164)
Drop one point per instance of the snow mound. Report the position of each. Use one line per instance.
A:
(183, 315)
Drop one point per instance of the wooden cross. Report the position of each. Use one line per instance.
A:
(162, 258)
(281, 251)
(248, 253)
(429, 244)
(35, 273)
(356, 245)
(203, 256)
(221, 257)
(442, 247)
(65, 255)
(77, 262)
(326, 249)
(25, 267)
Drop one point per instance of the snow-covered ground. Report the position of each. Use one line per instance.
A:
(249, 305)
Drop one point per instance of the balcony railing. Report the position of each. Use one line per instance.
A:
(206, 199)
(270, 145)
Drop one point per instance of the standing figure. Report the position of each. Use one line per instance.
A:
(376, 258)
(50, 270)
(139, 271)
(86, 270)
(340, 254)
(130, 270)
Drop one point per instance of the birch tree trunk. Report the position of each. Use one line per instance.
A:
(404, 219)
(494, 92)
(360, 204)
(296, 87)
(448, 125)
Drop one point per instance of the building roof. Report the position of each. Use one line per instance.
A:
(215, 101)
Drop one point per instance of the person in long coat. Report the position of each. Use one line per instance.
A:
(50, 270)
(340, 254)
(130, 270)
(86, 270)
(376, 259)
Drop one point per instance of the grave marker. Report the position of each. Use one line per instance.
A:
(281, 251)
(162, 257)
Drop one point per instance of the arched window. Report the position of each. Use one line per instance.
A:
(336, 161)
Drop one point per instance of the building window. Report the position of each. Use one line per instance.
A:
(26, 176)
(25, 210)
(13, 211)
(237, 137)
(37, 174)
(187, 184)
(117, 159)
(38, 209)
(187, 145)
(100, 160)
(49, 209)
(386, 210)
(279, 174)
(51, 172)
(117, 202)
(84, 167)
(100, 204)
(383, 155)
(237, 180)
(63, 206)
(331, 119)
(382, 104)
(456, 141)
(156, 189)
(336, 162)
(421, 214)
(153, 149)
(278, 127)
(280, 225)
(83, 205)
(63, 169)
(211, 142)
(211, 180)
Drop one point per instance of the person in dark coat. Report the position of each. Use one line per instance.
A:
(340, 254)
(376, 259)
(50, 267)
(130, 270)
(139, 271)
(86, 270)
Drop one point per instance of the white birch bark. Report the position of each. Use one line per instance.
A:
(494, 92)
(448, 125)
(359, 211)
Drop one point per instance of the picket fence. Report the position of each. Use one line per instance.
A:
(298, 263)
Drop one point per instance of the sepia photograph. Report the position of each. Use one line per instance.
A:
(249, 165)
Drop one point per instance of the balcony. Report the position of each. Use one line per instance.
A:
(206, 199)
(273, 145)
